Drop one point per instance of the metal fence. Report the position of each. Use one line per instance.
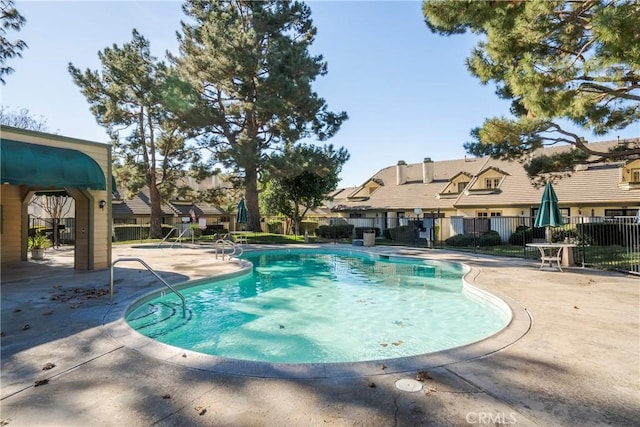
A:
(601, 242)
(611, 243)
(66, 229)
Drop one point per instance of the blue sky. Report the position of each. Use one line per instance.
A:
(407, 91)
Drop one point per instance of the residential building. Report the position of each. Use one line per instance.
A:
(484, 187)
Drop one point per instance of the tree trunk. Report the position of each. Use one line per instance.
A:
(251, 200)
(155, 222)
(296, 220)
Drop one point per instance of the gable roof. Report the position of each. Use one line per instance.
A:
(200, 208)
(138, 205)
(598, 183)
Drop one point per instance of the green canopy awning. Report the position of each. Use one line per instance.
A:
(44, 166)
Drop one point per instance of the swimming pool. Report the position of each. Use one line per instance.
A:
(323, 306)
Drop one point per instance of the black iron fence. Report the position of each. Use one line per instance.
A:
(601, 242)
(65, 227)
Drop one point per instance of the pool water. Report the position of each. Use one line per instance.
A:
(318, 307)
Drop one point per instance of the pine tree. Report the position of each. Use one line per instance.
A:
(250, 63)
(10, 19)
(572, 60)
(144, 107)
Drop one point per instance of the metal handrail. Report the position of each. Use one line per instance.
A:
(232, 245)
(184, 303)
(180, 236)
(224, 242)
(167, 236)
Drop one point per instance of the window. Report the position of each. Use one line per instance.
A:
(461, 186)
(355, 215)
(492, 182)
(485, 214)
(620, 212)
(635, 175)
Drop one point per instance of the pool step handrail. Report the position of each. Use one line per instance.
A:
(164, 239)
(184, 302)
(221, 245)
(180, 236)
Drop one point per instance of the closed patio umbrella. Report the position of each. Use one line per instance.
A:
(549, 212)
(241, 216)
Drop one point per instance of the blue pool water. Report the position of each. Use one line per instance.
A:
(298, 306)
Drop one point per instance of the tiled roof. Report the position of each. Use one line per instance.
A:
(138, 205)
(597, 184)
(200, 208)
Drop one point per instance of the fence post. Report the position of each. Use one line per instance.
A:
(524, 237)
(584, 256)
(475, 237)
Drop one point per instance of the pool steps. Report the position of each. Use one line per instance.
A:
(184, 303)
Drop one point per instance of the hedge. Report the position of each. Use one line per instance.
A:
(608, 234)
(490, 238)
(275, 227)
(521, 235)
(404, 233)
(338, 231)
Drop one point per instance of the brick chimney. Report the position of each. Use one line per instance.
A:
(427, 170)
(401, 172)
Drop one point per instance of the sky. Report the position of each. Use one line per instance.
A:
(407, 91)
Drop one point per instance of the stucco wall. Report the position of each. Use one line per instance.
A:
(11, 236)
(94, 252)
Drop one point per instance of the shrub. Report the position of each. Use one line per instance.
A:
(275, 227)
(560, 234)
(521, 236)
(338, 231)
(404, 233)
(212, 229)
(490, 238)
(468, 239)
(609, 234)
(39, 241)
(195, 230)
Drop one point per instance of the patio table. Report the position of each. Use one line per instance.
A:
(550, 252)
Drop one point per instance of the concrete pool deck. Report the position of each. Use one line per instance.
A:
(574, 359)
